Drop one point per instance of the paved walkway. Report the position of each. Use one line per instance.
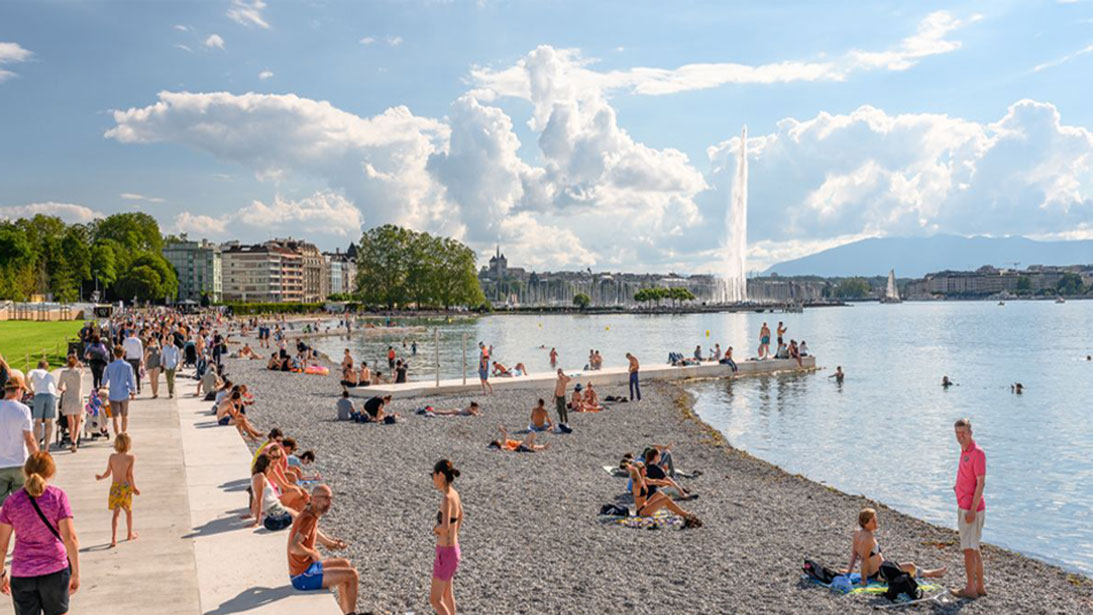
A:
(194, 555)
(156, 573)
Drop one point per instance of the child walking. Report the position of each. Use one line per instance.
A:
(122, 490)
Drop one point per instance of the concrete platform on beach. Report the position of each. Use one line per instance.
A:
(601, 377)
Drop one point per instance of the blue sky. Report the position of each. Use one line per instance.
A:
(576, 134)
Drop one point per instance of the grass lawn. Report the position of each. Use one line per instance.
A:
(18, 338)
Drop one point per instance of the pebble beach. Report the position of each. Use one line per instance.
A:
(533, 542)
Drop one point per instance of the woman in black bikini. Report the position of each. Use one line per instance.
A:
(647, 500)
(874, 567)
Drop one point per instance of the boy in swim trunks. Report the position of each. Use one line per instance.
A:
(123, 488)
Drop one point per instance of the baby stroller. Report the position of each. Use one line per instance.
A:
(95, 420)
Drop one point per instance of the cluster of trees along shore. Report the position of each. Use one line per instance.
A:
(121, 256)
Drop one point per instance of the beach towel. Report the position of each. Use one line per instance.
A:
(851, 584)
(660, 520)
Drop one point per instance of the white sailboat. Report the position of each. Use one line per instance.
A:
(891, 294)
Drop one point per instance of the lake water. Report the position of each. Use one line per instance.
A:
(887, 431)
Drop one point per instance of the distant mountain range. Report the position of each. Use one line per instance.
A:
(917, 256)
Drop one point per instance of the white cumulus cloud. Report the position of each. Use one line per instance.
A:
(214, 40)
(323, 215)
(11, 53)
(248, 13)
(929, 39)
(70, 213)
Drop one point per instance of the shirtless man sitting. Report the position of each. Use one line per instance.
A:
(540, 418)
(247, 353)
(366, 375)
(591, 400)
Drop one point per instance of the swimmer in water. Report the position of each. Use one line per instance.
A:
(838, 375)
(1017, 388)
(945, 382)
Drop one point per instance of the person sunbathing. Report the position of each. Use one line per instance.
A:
(471, 410)
(247, 353)
(527, 445)
(647, 500)
(499, 369)
(540, 418)
(874, 567)
(520, 369)
(591, 400)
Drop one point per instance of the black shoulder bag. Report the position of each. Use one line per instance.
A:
(52, 529)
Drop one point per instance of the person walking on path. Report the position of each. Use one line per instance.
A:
(170, 358)
(71, 388)
(45, 565)
(559, 397)
(122, 387)
(44, 410)
(633, 369)
(134, 353)
(153, 362)
(448, 521)
(122, 487)
(97, 357)
(971, 475)
(307, 569)
(16, 436)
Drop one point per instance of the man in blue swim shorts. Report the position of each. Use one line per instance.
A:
(307, 569)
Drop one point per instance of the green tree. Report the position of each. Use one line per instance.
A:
(104, 266)
(1070, 284)
(142, 283)
(134, 232)
(852, 288)
(383, 265)
(582, 300)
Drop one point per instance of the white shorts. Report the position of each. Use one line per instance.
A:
(970, 533)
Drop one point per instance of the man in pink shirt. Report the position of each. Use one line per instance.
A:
(971, 474)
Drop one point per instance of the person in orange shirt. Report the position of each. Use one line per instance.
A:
(307, 569)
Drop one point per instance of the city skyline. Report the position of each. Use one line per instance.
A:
(605, 142)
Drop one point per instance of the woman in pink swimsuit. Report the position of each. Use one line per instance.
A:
(448, 521)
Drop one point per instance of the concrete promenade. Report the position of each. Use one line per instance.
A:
(606, 376)
(194, 555)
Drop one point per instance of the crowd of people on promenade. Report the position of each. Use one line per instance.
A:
(133, 350)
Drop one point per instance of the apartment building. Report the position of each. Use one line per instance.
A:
(199, 267)
(313, 268)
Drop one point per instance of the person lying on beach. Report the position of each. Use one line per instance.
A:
(527, 445)
(471, 410)
(248, 353)
(540, 418)
(874, 566)
(647, 500)
(499, 369)
(520, 369)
